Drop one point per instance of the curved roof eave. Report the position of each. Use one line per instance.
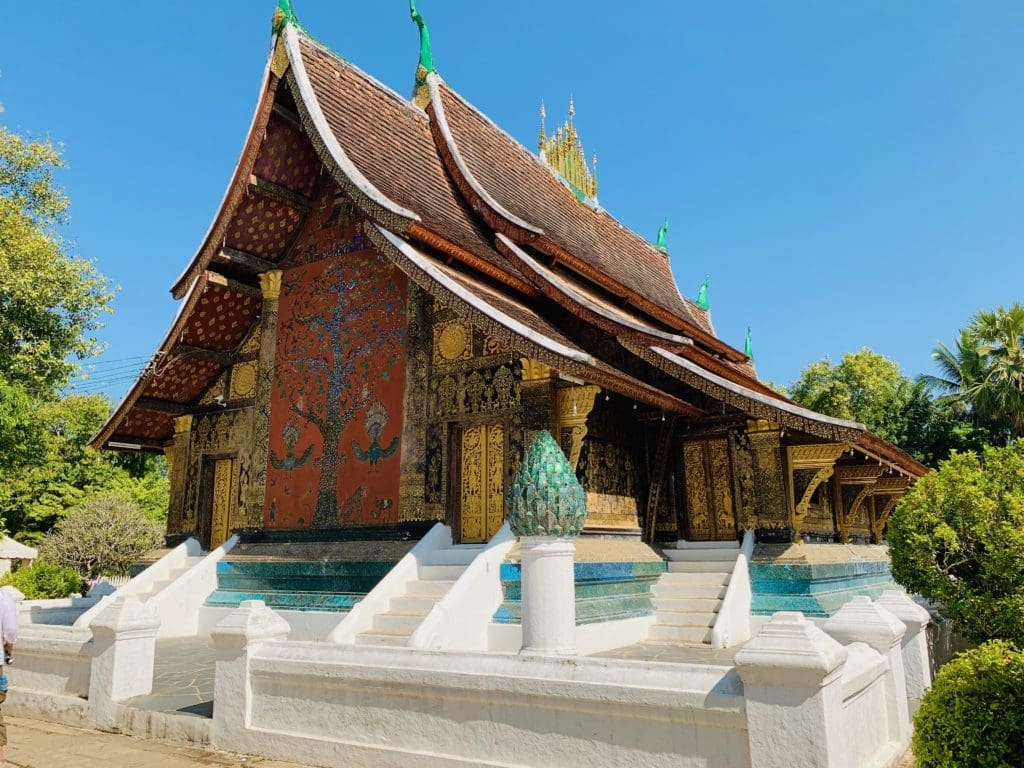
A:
(236, 185)
(195, 292)
(365, 194)
(545, 277)
(483, 202)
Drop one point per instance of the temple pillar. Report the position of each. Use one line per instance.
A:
(572, 407)
(255, 496)
(538, 396)
(548, 595)
(177, 469)
(412, 482)
(853, 488)
(809, 467)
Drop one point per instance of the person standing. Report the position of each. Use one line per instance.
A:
(9, 597)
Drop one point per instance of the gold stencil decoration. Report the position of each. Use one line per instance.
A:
(482, 483)
(452, 342)
(493, 346)
(223, 484)
(243, 381)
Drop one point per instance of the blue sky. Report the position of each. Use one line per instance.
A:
(848, 173)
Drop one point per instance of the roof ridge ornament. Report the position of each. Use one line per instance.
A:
(662, 242)
(421, 92)
(563, 153)
(284, 15)
(748, 347)
(702, 294)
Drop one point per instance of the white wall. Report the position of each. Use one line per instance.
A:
(732, 624)
(52, 659)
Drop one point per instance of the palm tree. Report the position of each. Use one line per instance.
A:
(984, 374)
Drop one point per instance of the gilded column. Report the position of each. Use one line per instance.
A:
(177, 469)
(538, 395)
(270, 284)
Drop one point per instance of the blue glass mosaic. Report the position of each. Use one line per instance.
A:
(819, 589)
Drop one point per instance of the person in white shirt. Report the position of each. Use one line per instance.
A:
(9, 599)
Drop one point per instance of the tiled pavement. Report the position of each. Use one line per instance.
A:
(182, 678)
(37, 744)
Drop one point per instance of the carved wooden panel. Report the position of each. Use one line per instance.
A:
(709, 497)
(481, 482)
(223, 486)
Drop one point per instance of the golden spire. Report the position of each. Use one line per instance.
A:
(563, 151)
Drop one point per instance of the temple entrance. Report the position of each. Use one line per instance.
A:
(481, 482)
(710, 511)
(215, 497)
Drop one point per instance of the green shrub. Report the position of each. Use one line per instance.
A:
(958, 539)
(44, 581)
(972, 716)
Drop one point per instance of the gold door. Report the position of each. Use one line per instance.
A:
(481, 482)
(709, 502)
(223, 488)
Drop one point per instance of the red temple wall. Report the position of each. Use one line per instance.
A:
(336, 408)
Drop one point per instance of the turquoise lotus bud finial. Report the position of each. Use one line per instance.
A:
(702, 294)
(748, 347)
(283, 16)
(545, 498)
(662, 243)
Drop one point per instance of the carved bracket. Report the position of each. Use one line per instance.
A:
(857, 483)
(809, 466)
(572, 407)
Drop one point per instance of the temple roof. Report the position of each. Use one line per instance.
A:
(472, 216)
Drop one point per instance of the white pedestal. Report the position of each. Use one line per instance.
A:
(549, 595)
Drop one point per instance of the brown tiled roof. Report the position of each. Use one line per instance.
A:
(389, 140)
(524, 186)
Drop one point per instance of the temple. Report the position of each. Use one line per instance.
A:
(394, 299)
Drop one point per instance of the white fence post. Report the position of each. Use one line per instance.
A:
(916, 663)
(791, 674)
(240, 633)
(861, 621)
(124, 650)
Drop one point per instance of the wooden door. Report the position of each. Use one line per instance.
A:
(218, 488)
(481, 482)
(710, 510)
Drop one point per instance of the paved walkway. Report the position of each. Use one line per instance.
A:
(182, 678)
(37, 744)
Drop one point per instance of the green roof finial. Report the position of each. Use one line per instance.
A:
(702, 294)
(662, 243)
(748, 348)
(283, 16)
(426, 64)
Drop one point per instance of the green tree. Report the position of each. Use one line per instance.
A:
(957, 538)
(984, 371)
(50, 302)
(870, 388)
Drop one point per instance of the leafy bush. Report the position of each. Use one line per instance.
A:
(101, 537)
(44, 581)
(972, 714)
(958, 539)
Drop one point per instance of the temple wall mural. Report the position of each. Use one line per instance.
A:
(339, 381)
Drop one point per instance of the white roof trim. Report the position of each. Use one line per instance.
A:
(782, 405)
(433, 82)
(363, 184)
(422, 262)
(579, 298)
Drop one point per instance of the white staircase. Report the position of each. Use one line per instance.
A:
(687, 599)
(435, 576)
(172, 575)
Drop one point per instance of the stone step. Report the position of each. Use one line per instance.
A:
(381, 638)
(694, 635)
(695, 577)
(419, 606)
(687, 619)
(732, 544)
(452, 556)
(440, 572)
(701, 566)
(396, 623)
(695, 555)
(677, 590)
(683, 604)
(436, 588)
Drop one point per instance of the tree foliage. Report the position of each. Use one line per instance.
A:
(868, 387)
(102, 537)
(44, 581)
(957, 538)
(984, 371)
(50, 302)
(972, 713)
